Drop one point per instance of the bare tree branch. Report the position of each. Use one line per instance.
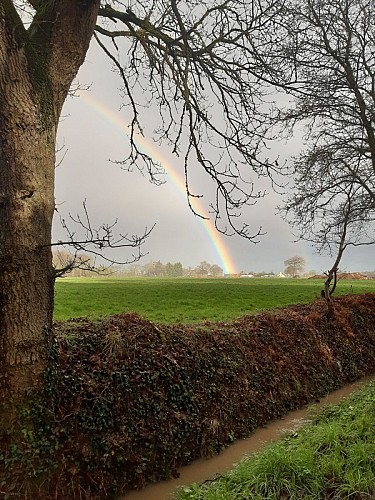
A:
(95, 241)
(197, 61)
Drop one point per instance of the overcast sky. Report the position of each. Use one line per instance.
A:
(90, 138)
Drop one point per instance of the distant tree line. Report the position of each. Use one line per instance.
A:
(82, 265)
(170, 270)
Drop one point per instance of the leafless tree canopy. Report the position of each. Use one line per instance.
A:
(82, 236)
(199, 63)
(328, 68)
(196, 60)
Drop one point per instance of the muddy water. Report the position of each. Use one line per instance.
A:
(203, 469)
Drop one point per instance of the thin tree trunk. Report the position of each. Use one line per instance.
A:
(332, 273)
(328, 291)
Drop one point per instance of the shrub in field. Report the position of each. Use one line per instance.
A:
(127, 401)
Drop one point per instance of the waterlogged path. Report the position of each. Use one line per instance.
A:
(203, 469)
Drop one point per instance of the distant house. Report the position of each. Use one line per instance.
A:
(343, 276)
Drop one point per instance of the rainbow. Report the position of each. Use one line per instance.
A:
(151, 149)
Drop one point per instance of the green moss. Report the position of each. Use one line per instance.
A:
(37, 51)
(34, 42)
(37, 59)
(13, 18)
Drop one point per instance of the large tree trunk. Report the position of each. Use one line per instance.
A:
(27, 151)
(26, 290)
(36, 69)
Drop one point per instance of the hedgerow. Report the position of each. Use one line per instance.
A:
(127, 401)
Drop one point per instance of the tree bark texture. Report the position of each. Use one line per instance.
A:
(32, 93)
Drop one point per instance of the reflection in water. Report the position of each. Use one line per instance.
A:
(203, 469)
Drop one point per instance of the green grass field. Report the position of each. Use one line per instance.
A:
(186, 300)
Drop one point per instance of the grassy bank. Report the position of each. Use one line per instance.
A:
(187, 300)
(334, 457)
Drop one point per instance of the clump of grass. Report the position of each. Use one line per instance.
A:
(334, 457)
(113, 343)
